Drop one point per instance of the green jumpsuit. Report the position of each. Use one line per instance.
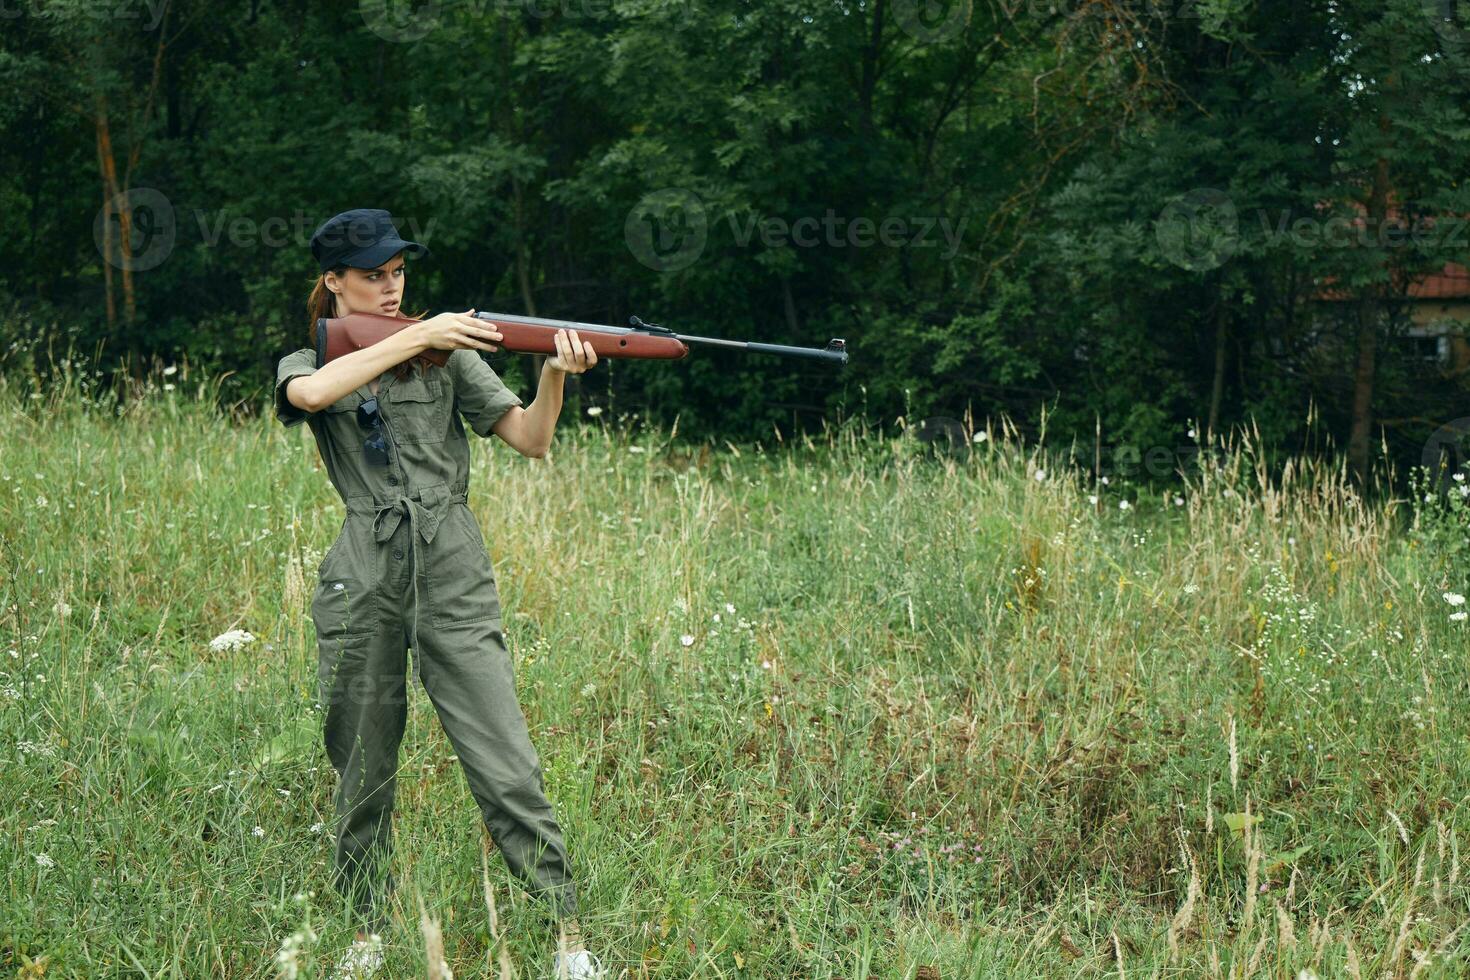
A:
(410, 569)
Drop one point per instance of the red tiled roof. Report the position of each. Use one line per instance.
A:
(1451, 282)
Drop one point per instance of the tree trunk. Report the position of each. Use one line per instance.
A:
(1217, 390)
(112, 193)
(1369, 310)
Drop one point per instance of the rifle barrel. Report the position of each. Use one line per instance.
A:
(836, 350)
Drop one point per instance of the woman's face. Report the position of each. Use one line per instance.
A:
(377, 290)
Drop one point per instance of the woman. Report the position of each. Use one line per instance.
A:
(410, 569)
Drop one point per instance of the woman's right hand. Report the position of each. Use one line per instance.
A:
(453, 331)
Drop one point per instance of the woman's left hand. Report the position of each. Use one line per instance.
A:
(573, 355)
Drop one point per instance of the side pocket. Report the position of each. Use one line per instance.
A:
(472, 529)
(461, 581)
(342, 607)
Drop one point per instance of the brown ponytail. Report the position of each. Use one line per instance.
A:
(322, 303)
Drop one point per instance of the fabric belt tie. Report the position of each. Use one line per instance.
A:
(424, 509)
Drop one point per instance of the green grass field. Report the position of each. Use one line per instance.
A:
(837, 709)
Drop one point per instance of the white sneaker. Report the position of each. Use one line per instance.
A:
(580, 965)
(364, 958)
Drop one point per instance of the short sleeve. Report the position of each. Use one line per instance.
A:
(293, 365)
(479, 394)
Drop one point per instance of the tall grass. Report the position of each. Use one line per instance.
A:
(841, 708)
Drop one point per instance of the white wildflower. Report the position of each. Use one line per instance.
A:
(61, 608)
(171, 369)
(1454, 598)
(233, 640)
(1178, 501)
(259, 831)
(687, 640)
(635, 449)
(588, 690)
(729, 607)
(1458, 617)
(1191, 589)
(594, 411)
(1092, 498)
(44, 861)
(1124, 505)
(41, 500)
(980, 437)
(1040, 475)
(317, 827)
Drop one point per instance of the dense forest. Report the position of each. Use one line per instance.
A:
(1125, 220)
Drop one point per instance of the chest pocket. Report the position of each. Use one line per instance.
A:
(342, 427)
(420, 408)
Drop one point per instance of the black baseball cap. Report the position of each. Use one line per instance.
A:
(363, 238)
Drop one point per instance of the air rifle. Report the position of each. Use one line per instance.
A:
(336, 336)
